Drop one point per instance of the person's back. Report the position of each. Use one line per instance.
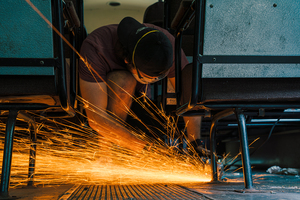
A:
(123, 61)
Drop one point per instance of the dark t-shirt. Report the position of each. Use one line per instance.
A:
(99, 51)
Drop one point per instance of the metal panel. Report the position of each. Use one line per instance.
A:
(20, 70)
(24, 34)
(252, 27)
(134, 192)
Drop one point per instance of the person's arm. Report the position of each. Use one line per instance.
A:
(193, 124)
(102, 122)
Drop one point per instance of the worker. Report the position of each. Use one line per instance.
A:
(124, 58)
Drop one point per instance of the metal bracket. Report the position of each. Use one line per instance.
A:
(229, 59)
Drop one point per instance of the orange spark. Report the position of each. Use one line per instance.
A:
(72, 153)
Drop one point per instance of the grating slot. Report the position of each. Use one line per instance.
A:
(188, 195)
(152, 192)
(119, 194)
(162, 189)
(140, 195)
(108, 193)
(95, 191)
(89, 192)
(129, 193)
(174, 191)
(168, 189)
(148, 190)
(166, 194)
(99, 192)
(114, 194)
(183, 193)
(103, 192)
(124, 194)
(80, 192)
(133, 192)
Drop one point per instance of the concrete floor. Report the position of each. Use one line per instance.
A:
(266, 186)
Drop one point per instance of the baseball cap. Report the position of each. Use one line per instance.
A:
(151, 50)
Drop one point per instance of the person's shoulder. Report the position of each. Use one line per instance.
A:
(105, 29)
(102, 35)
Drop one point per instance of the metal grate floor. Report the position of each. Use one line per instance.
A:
(131, 192)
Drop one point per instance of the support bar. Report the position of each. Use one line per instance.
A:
(213, 146)
(32, 154)
(245, 149)
(228, 59)
(7, 154)
(33, 138)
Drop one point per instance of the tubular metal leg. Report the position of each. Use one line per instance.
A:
(245, 149)
(32, 154)
(7, 154)
(33, 138)
(213, 149)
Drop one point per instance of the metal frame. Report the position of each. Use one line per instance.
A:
(233, 107)
(223, 59)
(7, 153)
(67, 100)
(57, 63)
(61, 69)
(28, 62)
(213, 147)
(199, 59)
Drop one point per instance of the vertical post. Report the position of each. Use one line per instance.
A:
(213, 145)
(245, 149)
(7, 154)
(164, 85)
(72, 72)
(178, 41)
(213, 151)
(197, 86)
(32, 154)
(81, 30)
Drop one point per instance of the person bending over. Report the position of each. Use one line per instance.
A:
(125, 57)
